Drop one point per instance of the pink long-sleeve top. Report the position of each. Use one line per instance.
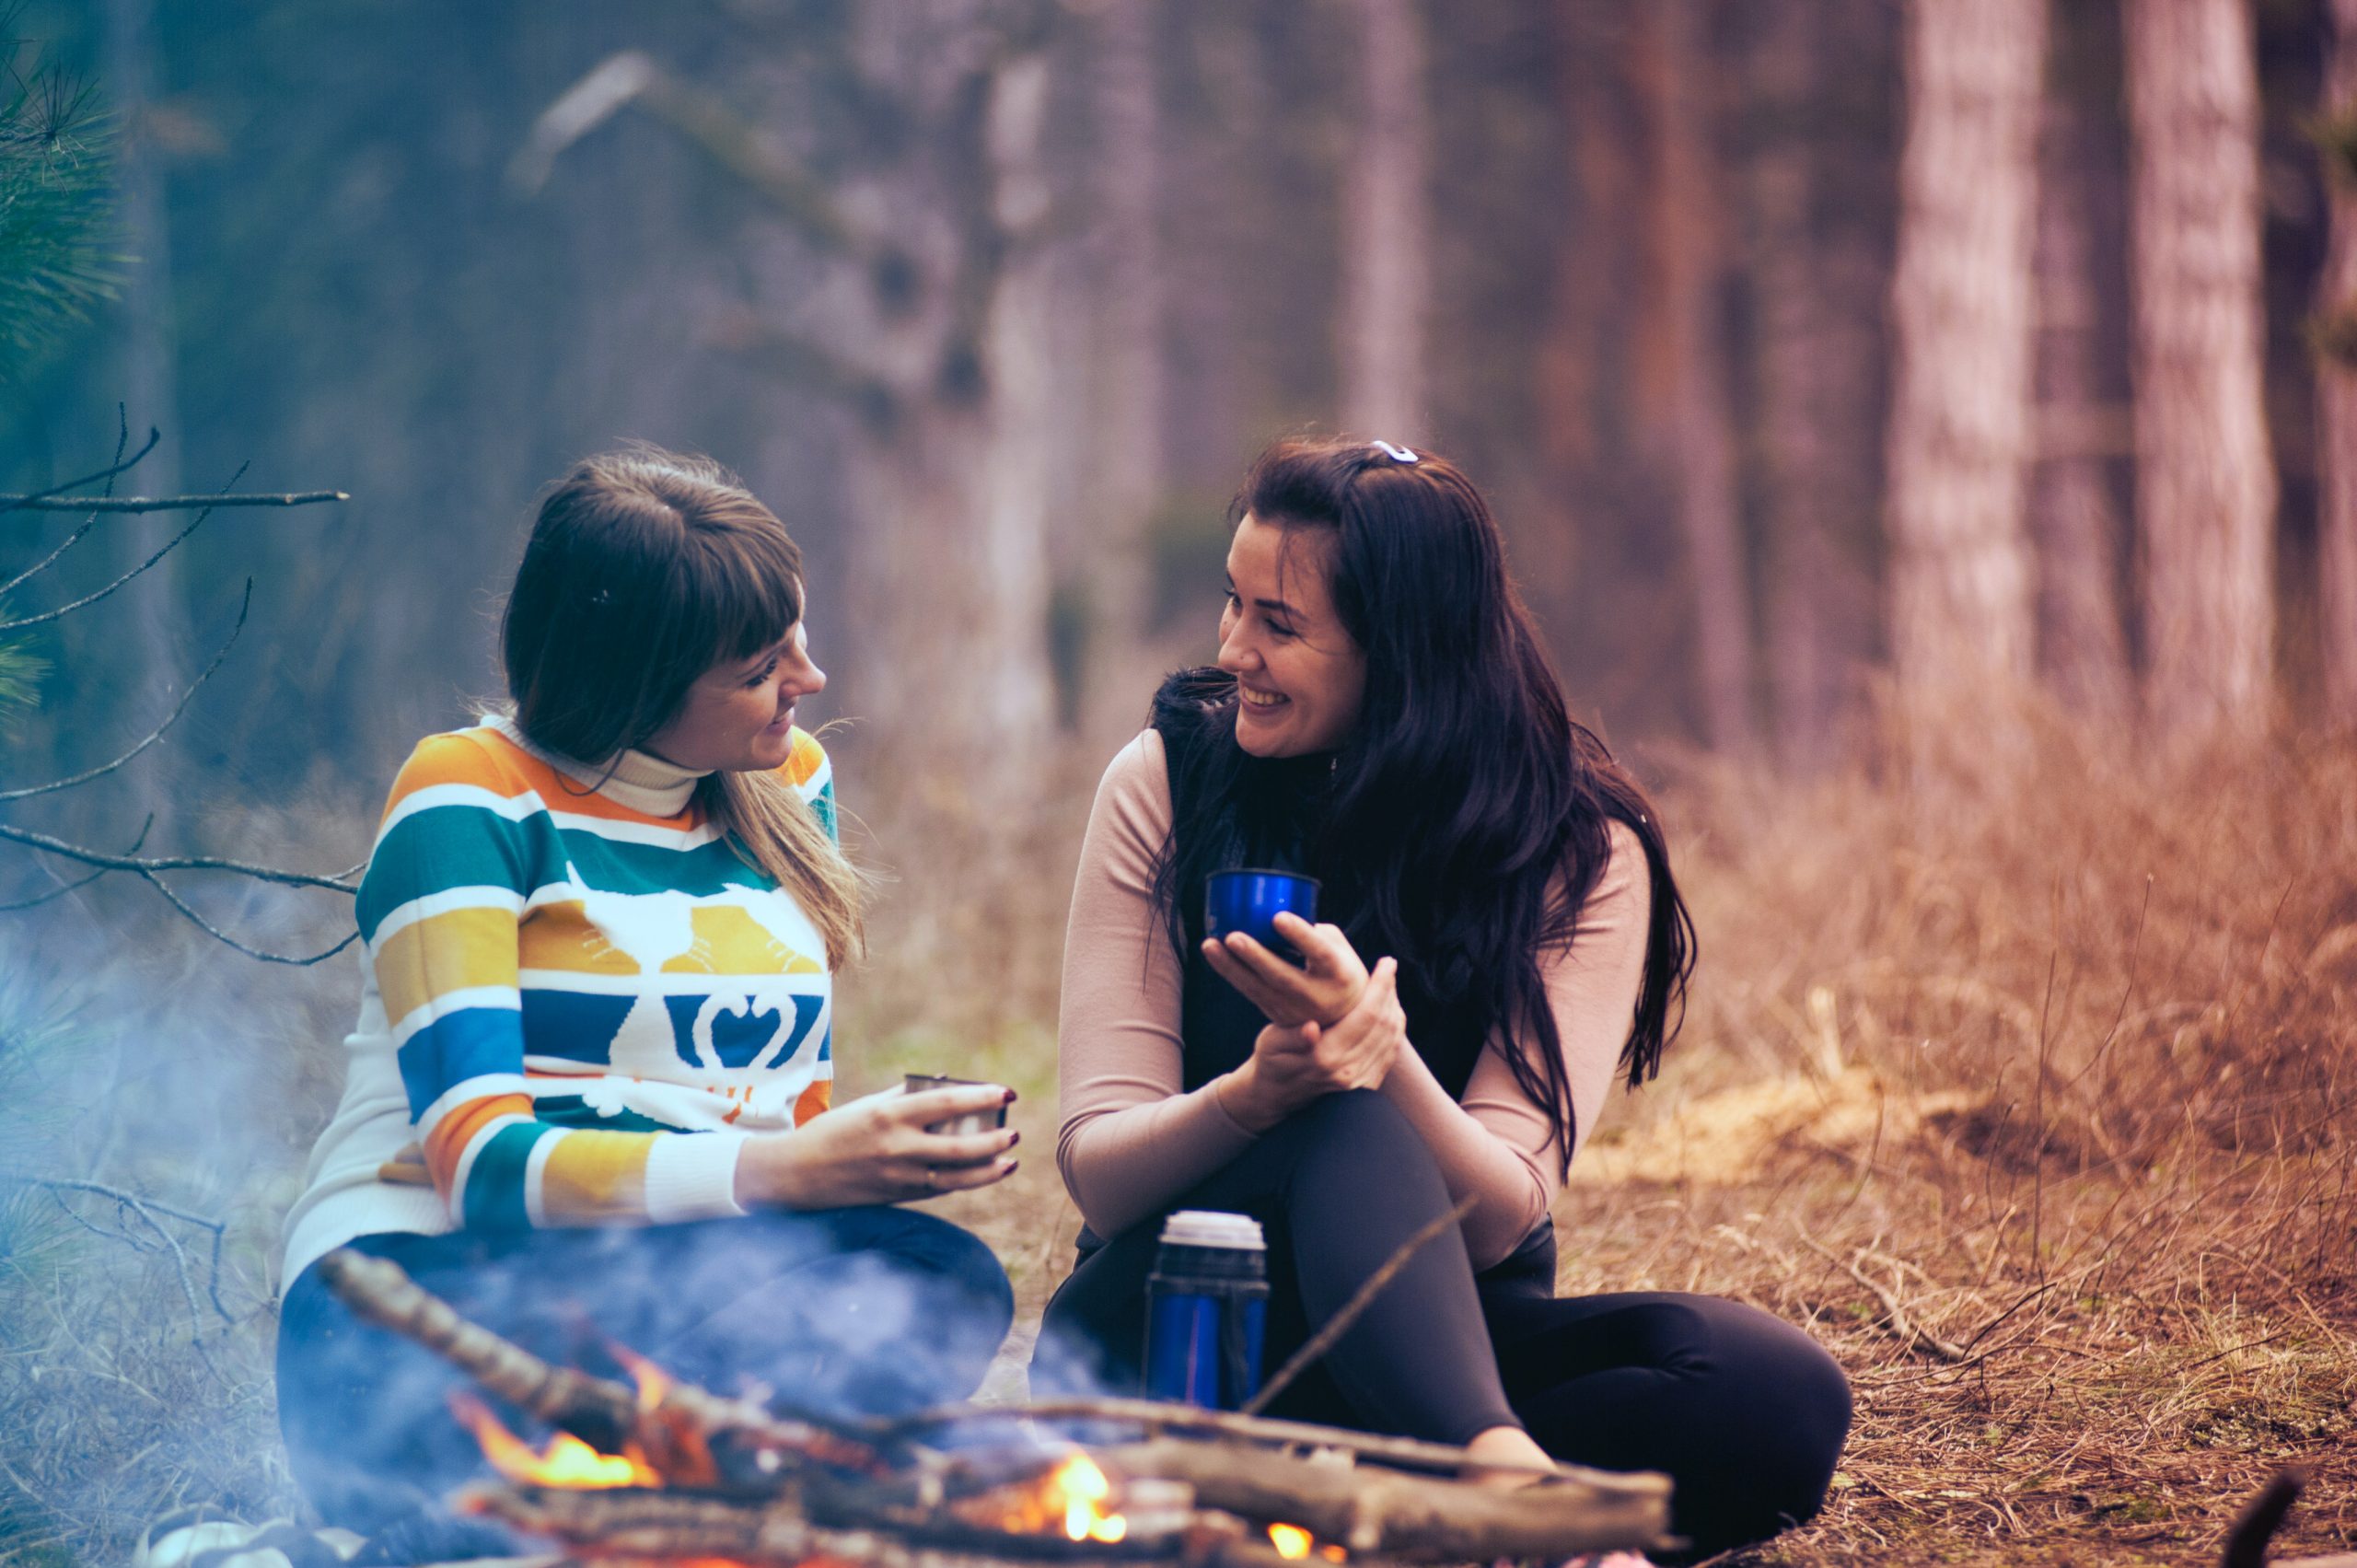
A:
(1129, 1141)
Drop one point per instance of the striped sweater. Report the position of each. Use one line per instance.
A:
(580, 1000)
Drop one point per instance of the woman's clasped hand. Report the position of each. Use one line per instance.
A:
(1293, 1063)
(878, 1150)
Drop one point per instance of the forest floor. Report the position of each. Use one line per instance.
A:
(2024, 1082)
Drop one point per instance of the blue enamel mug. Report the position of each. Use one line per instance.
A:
(1249, 901)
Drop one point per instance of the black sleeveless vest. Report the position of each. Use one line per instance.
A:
(1217, 1026)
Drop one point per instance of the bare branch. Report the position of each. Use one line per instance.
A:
(146, 1211)
(46, 561)
(65, 609)
(121, 465)
(153, 736)
(730, 140)
(221, 937)
(121, 439)
(343, 882)
(1894, 1315)
(79, 882)
(163, 503)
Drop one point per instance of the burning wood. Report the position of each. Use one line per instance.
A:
(671, 1471)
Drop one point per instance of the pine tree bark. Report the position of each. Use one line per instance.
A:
(1688, 251)
(2074, 519)
(2205, 482)
(2337, 379)
(1131, 389)
(1387, 260)
(1959, 430)
(1817, 273)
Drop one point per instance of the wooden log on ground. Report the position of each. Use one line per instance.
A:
(1157, 1415)
(633, 1524)
(1408, 1518)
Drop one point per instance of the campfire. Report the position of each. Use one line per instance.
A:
(668, 1472)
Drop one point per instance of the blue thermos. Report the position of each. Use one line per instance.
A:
(1207, 1310)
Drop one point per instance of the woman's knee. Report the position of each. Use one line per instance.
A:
(1356, 1122)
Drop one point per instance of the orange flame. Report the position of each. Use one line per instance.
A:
(1293, 1543)
(565, 1461)
(1078, 1489)
(652, 1380)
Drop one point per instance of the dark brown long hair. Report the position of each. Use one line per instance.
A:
(643, 570)
(1467, 818)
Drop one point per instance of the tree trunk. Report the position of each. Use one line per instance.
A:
(1816, 273)
(2337, 379)
(1959, 430)
(2205, 482)
(1687, 253)
(950, 491)
(1387, 261)
(1115, 558)
(145, 655)
(2075, 521)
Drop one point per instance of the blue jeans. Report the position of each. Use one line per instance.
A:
(842, 1312)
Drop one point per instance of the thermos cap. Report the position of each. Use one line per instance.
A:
(1209, 1227)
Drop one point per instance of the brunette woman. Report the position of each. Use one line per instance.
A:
(589, 1095)
(1503, 939)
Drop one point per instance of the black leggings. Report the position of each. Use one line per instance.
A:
(840, 1311)
(1745, 1412)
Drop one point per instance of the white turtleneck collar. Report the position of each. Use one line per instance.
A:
(636, 779)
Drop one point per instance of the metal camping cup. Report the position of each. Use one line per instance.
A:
(1249, 901)
(957, 1126)
(1207, 1310)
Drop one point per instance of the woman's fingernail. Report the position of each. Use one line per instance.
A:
(1012, 1166)
(1010, 1098)
(1014, 1138)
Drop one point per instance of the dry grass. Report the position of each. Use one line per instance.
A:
(2051, 1051)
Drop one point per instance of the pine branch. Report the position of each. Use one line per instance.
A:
(121, 439)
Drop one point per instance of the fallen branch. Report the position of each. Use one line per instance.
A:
(676, 1431)
(1408, 1518)
(625, 1526)
(120, 466)
(1321, 1342)
(1155, 1416)
(46, 502)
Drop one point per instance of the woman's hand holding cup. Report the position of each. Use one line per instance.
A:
(876, 1150)
(1292, 1065)
(1321, 989)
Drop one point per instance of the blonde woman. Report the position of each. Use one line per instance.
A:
(589, 1095)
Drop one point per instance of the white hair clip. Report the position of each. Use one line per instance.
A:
(1396, 454)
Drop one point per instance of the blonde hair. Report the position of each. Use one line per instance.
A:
(645, 569)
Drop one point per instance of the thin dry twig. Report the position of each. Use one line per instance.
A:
(106, 475)
(164, 503)
(1321, 1342)
(340, 882)
(1895, 1314)
(121, 439)
(63, 611)
(153, 736)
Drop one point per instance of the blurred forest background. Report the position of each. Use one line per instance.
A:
(1926, 429)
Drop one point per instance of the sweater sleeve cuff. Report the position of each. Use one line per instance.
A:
(693, 1176)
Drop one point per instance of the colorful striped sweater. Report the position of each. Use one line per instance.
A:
(580, 1000)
